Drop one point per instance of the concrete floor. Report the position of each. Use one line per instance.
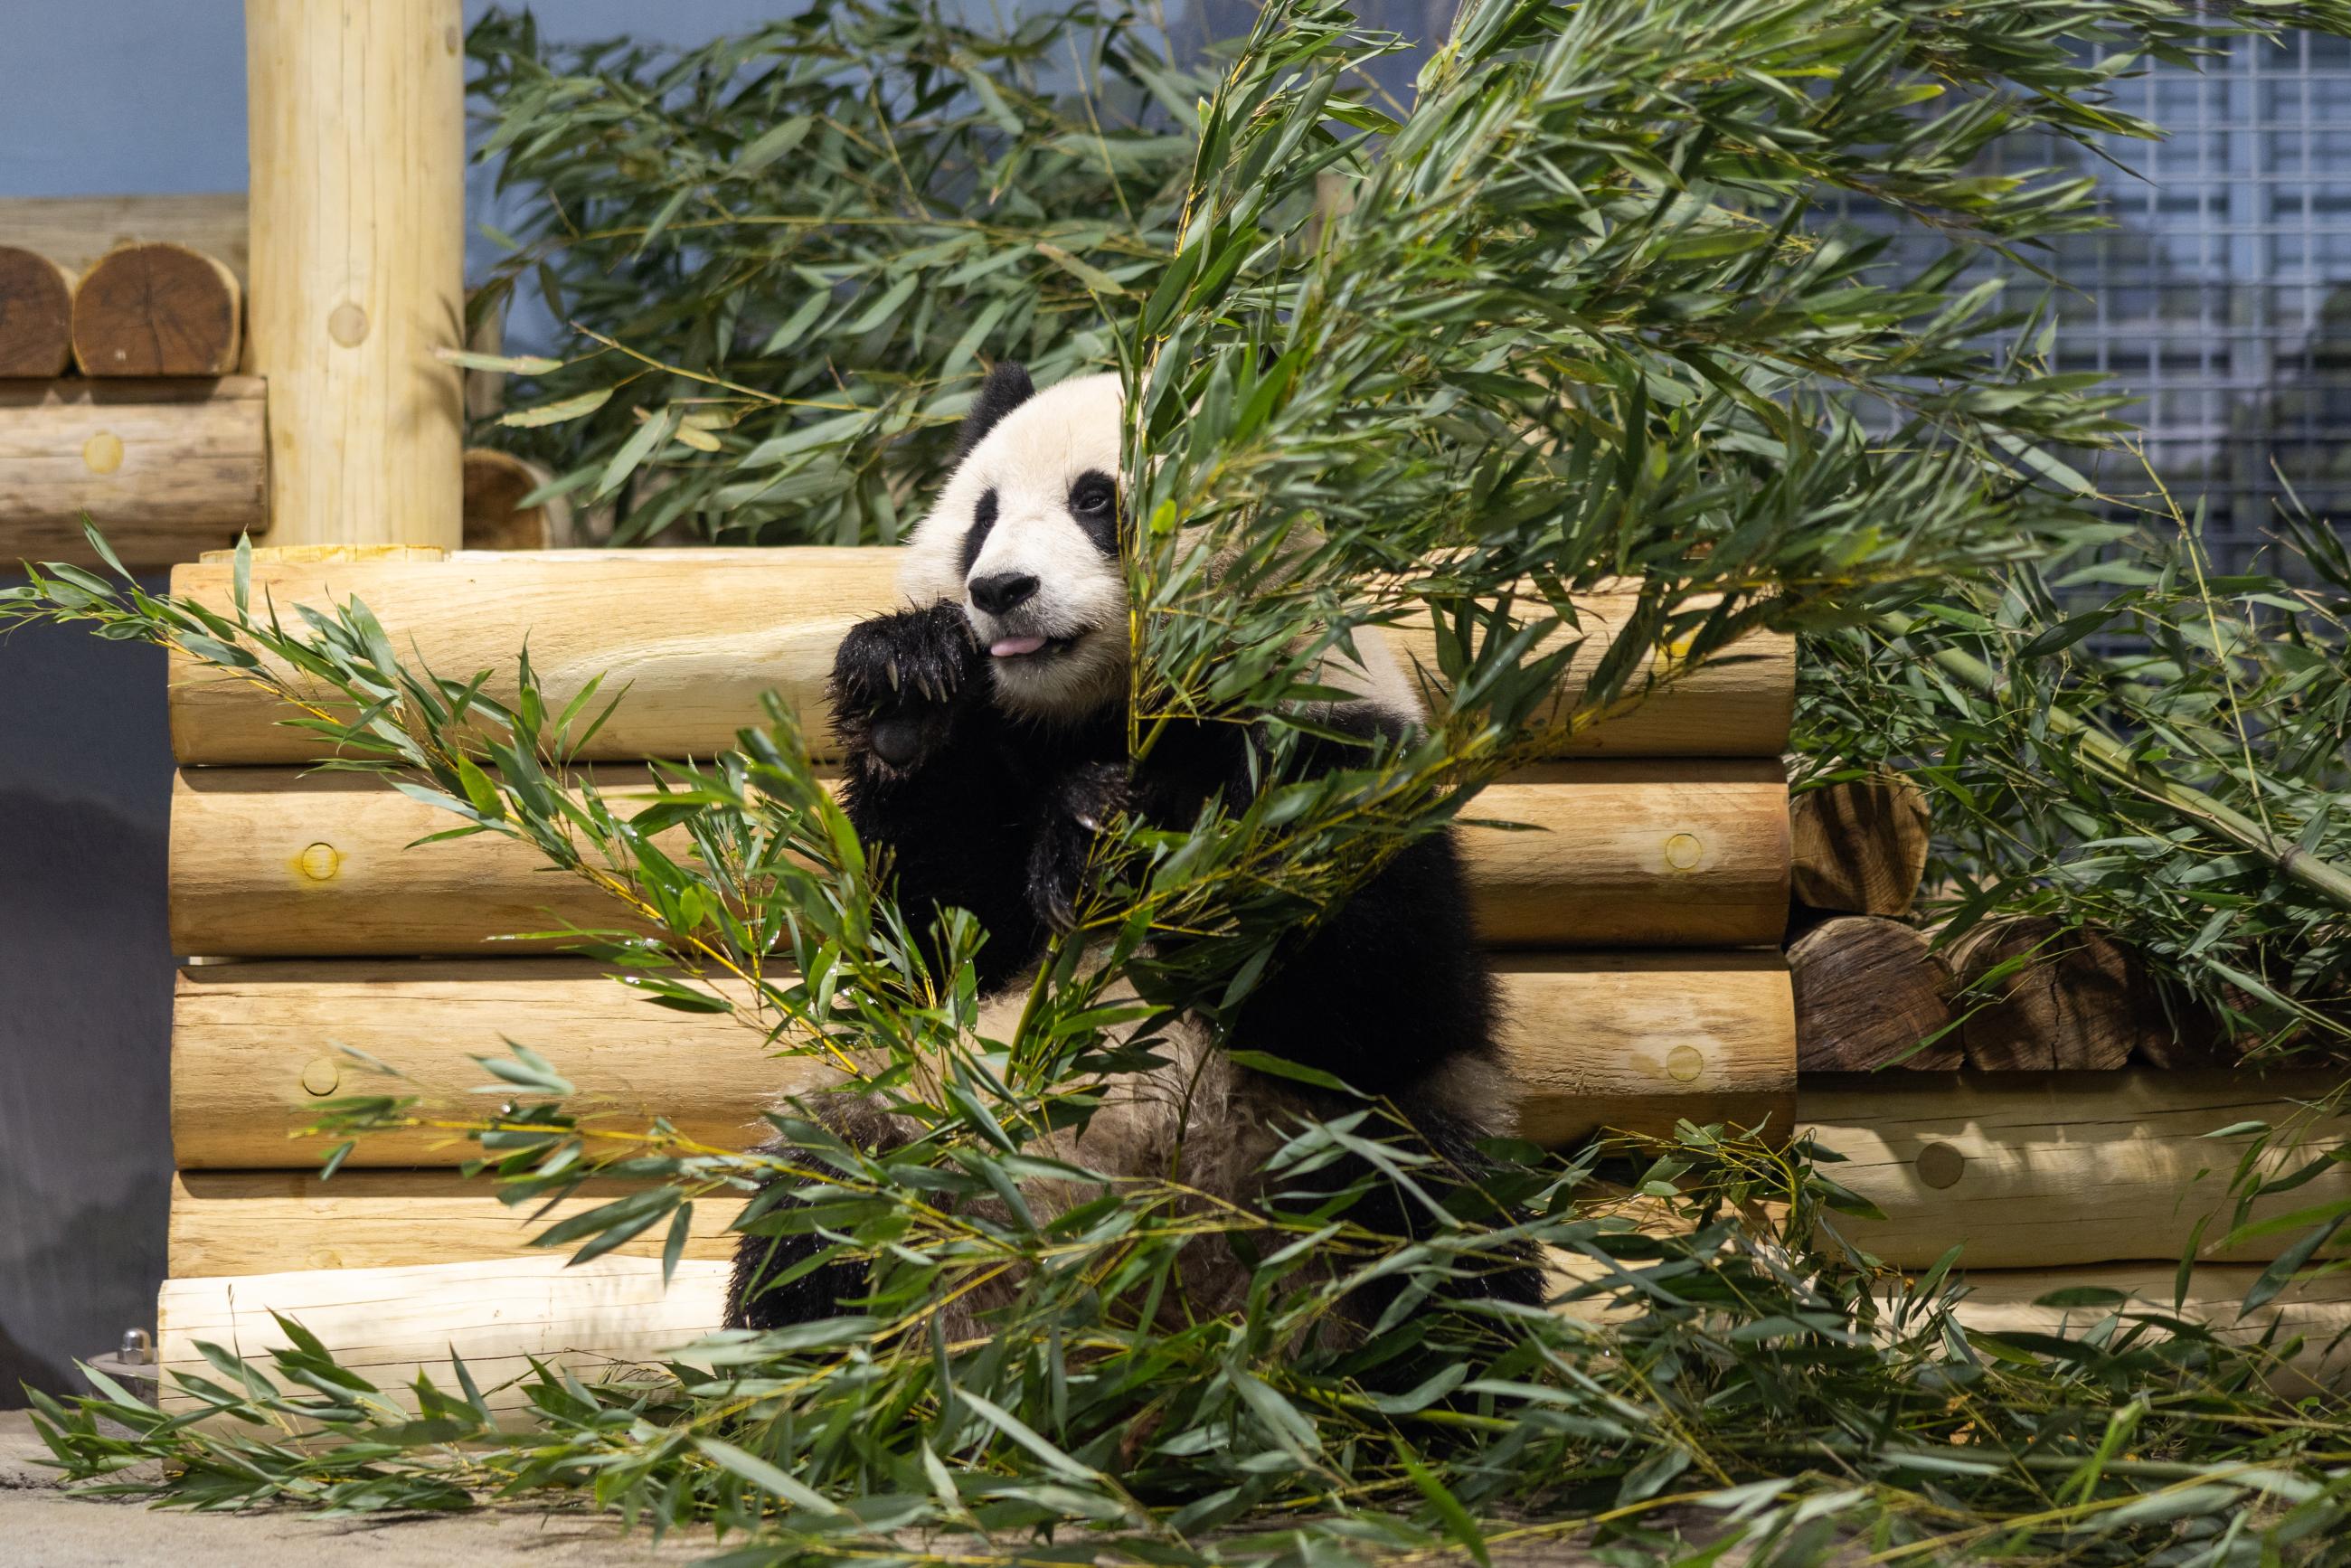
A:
(42, 1527)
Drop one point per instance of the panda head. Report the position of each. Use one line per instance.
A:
(1025, 536)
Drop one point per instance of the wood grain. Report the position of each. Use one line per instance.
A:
(75, 230)
(603, 1320)
(2044, 1169)
(695, 636)
(36, 315)
(496, 519)
(165, 469)
(356, 126)
(1871, 992)
(1615, 1040)
(2069, 998)
(271, 862)
(269, 1222)
(1860, 845)
(157, 310)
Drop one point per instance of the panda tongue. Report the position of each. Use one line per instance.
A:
(1013, 647)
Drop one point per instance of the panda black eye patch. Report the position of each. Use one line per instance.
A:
(1093, 502)
(983, 517)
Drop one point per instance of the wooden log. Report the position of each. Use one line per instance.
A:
(270, 1222)
(496, 519)
(1623, 1040)
(2043, 1169)
(1870, 993)
(612, 1318)
(271, 862)
(2317, 1312)
(1637, 1042)
(356, 129)
(157, 310)
(695, 636)
(2068, 997)
(165, 469)
(604, 1319)
(75, 230)
(36, 314)
(1860, 845)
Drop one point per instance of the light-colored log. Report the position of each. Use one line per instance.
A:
(496, 519)
(158, 309)
(1860, 845)
(270, 1222)
(75, 230)
(36, 315)
(2069, 998)
(1637, 1042)
(695, 636)
(2044, 1169)
(356, 129)
(272, 863)
(1615, 1040)
(165, 469)
(2317, 1311)
(605, 1320)
(1871, 992)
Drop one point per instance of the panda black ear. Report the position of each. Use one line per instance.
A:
(1007, 386)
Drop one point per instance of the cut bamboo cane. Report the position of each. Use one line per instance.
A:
(271, 1222)
(36, 315)
(165, 469)
(691, 638)
(2047, 1169)
(270, 861)
(157, 310)
(603, 1320)
(75, 230)
(1860, 846)
(1633, 1040)
(356, 129)
(1871, 992)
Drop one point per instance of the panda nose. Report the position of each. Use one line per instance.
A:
(1003, 591)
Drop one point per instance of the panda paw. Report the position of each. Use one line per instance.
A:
(897, 680)
(1082, 807)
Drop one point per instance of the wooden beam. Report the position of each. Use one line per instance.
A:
(36, 315)
(613, 1319)
(165, 469)
(1622, 1040)
(75, 230)
(157, 310)
(695, 636)
(272, 862)
(356, 128)
(604, 1319)
(2045, 1169)
(269, 1222)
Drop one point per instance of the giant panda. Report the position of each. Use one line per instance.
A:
(983, 737)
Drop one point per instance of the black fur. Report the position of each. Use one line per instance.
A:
(1093, 502)
(1007, 386)
(983, 519)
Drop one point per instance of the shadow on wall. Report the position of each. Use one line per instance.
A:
(85, 1001)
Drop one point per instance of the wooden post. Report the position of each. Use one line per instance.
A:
(356, 120)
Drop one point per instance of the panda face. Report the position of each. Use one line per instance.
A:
(1026, 537)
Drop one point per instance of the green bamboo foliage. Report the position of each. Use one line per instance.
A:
(1574, 317)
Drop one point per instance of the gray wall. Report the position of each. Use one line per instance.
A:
(104, 96)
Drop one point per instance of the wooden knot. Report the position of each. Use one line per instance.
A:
(347, 325)
(1684, 1063)
(321, 1076)
(1683, 851)
(1941, 1165)
(320, 862)
(102, 453)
